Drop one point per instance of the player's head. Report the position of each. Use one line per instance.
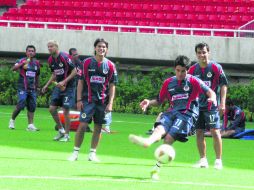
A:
(182, 64)
(53, 47)
(202, 52)
(73, 52)
(30, 51)
(100, 47)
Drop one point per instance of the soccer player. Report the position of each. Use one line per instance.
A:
(237, 119)
(29, 71)
(63, 72)
(95, 95)
(182, 92)
(213, 76)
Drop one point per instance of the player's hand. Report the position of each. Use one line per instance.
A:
(222, 108)
(44, 89)
(109, 108)
(213, 100)
(79, 105)
(144, 104)
(61, 84)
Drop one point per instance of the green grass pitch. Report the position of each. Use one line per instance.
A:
(32, 160)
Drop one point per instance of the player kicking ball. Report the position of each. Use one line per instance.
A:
(182, 92)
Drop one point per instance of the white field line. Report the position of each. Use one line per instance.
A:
(24, 116)
(125, 181)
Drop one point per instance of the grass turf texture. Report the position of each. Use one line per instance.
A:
(32, 160)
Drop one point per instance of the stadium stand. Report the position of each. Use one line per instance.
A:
(219, 14)
(8, 3)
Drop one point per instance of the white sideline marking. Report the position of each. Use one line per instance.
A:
(47, 117)
(126, 180)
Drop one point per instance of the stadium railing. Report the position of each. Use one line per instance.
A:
(129, 28)
(247, 27)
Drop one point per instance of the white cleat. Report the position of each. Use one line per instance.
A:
(202, 163)
(66, 138)
(11, 124)
(218, 164)
(155, 175)
(73, 157)
(138, 140)
(58, 136)
(92, 157)
(32, 128)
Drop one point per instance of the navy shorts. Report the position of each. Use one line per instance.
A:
(27, 98)
(177, 124)
(208, 120)
(63, 99)
(93, 111)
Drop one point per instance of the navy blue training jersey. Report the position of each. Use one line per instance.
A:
(183, 95)
(62, 67)
(28, 78)
(97, 77)
(213, 76)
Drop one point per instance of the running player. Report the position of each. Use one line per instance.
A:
(63, 72)
(182, 92)
(95, 95)
(213, 76)
(29, 71)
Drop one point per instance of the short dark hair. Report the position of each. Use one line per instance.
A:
(201, 46)
(71, 50)
(98, 40)
(30, 46)
(183, 61)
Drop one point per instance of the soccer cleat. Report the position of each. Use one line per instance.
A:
(65, 138)
(218, 164)
(73, 157)
(32, 128)
(11, 124)
(138, 140)
(92, 157)
(202, 163)
(155, 174)
(58, 136)
(105, 130)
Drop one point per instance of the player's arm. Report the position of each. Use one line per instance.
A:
(51, 79)
(146, 103)
(223, 94)
(211, 96)
(19, 64)
(65, 81)
(79, 94)
(112, 89)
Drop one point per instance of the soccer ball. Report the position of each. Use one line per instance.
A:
(164, 153)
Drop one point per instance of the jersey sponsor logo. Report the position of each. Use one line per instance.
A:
(197, 76)
(180, 97)
(91, 70)
(207, 83)
(30, 74)
(97, 79)
(171, 89)
(59, 71)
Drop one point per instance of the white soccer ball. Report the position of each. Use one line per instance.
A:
(164, 153)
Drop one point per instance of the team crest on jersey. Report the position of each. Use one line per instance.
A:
(61, 64)
(186, 88)
(105, 71)
(83, 115)
(209, 75)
